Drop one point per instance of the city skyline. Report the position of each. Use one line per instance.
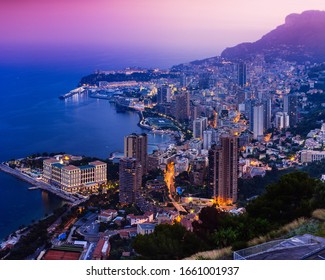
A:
(218, 152)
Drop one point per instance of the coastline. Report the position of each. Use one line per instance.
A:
(39, 184)
(15, 235)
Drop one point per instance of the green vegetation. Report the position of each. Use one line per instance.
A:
(312, 121)
(168, 242)
(36, 237)
(295, 195)
(248, 188)
(118, 246)
(315, 169)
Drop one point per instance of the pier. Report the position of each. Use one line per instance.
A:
(33, 188)
(38, 184)
(78, 90)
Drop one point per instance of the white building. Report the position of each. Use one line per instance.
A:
(310, 156)
(281, 120)
(74, 178)
(181, 165)
(145, 228)
(258, 122)
(207, 139)
(140, 219)
(107, 215)
(199, 125)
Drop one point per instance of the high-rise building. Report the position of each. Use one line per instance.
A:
(267, 109)
(290, 106)
(249, 112)
(282, 120)
(164, 94)
(207, 139)
(136, 146)
(182, 106)
(199, 125)
(223, 170)
(183, 80)
(242, 73)
(213, 171)
(258, 122)
(240, 96)
(130, 176)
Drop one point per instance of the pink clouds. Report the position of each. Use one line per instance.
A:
(194, 24)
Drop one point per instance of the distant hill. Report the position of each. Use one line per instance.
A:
(301, 38)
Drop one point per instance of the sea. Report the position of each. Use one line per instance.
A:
(34, 120)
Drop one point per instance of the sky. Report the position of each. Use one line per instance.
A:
(199, 27)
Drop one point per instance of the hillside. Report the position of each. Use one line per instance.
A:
(300, 38)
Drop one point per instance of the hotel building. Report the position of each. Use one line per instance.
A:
(74, 178)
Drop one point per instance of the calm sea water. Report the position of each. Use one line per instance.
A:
(34, 120)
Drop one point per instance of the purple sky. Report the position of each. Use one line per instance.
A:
(197, 26)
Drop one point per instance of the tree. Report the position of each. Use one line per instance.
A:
(286, 200)
(168, 242)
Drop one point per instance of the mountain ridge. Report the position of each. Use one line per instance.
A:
(300, 38)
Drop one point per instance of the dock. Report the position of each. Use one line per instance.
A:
(37, 184)
(33, 188)
(78, 90)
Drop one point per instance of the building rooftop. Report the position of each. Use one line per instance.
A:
(295, 248)
(58, 165)
(107, 212)
(146, 226)
(70, 167)
(86, 167)
(97, 162)
(51, 160)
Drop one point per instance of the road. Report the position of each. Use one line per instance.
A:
(90, 229)
(42, 185)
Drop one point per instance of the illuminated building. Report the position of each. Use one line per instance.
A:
(223, 170)
(182, 106)
(136, 146)
(164, 94)
(74, 178)
(199, 125)
(130, 176)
